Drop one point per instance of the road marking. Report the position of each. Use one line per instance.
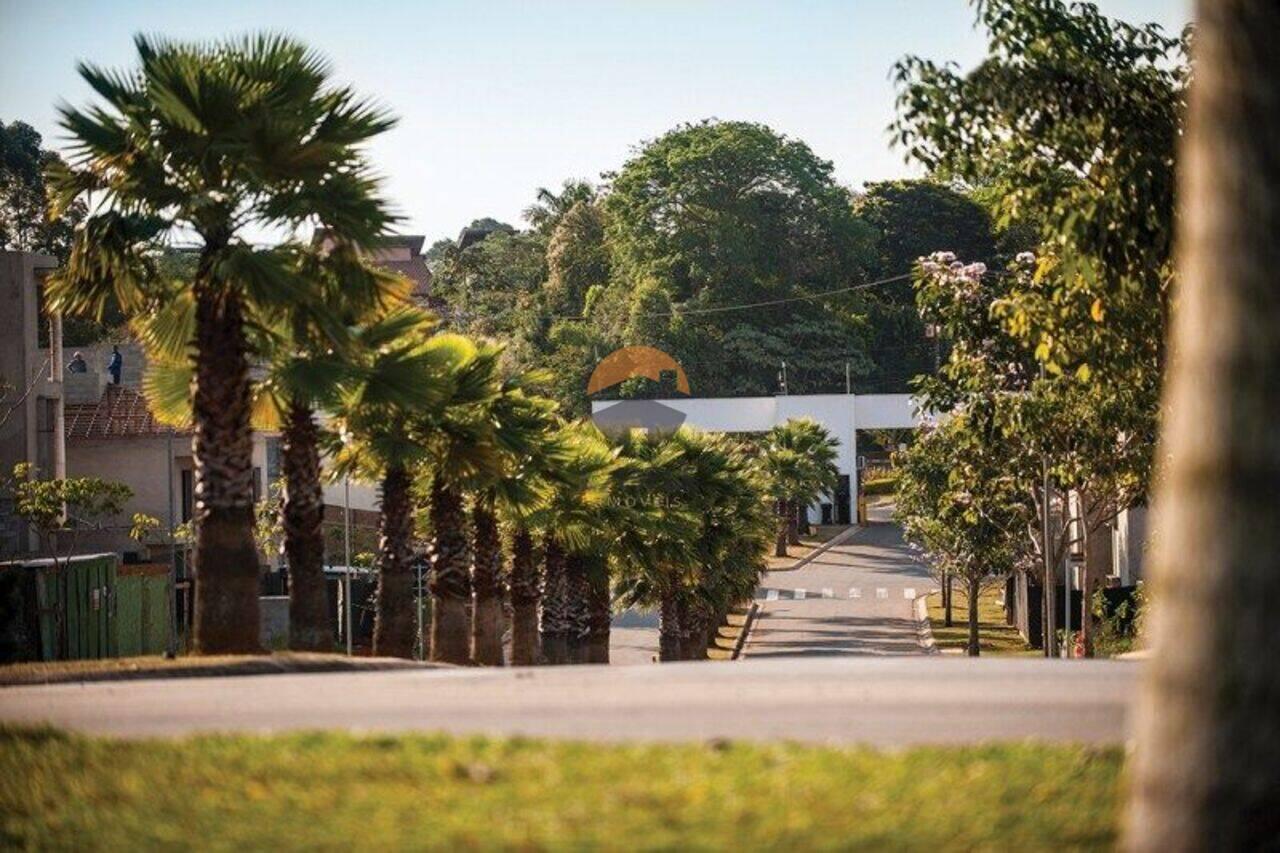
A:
(798, 595)
(854, 592)
(827, 593)
(881, 592)
(771, 595)
(909, 592)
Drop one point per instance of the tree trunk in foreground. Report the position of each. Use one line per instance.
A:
(669, 628)
(487, 624)
(973, 649)
(303, 516)
(524, 600)
(450, 578)
(226, 557)
(793, 522)
(395, 624)
(1204, 775)
(554, 629)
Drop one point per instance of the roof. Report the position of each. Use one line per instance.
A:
(415, 270)
(121, 413)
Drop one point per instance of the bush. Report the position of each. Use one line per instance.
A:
(1120, 615)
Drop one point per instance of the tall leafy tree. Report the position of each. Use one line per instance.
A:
(912, 219)
(727, 213)
(214, 142)
(1075, 117)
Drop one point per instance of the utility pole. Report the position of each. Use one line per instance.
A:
(783, 377)
(848, 383)
(931, 332)
(1050, 636)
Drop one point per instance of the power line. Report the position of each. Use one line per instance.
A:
(717, 309)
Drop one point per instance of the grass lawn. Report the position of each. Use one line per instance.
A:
(995, 637)
(337, 791)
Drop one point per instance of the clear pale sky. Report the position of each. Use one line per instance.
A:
(500, 97)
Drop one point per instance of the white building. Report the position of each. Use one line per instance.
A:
(842, 414)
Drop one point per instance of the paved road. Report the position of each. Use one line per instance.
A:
(880, 701)
(856, 598)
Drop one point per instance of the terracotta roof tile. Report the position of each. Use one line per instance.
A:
(121, 413)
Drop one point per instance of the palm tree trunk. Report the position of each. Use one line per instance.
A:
(303, 516)
(524, 600)
(974, 590)
(693, 632)
(780, 544)
(1208, 735)
(225, 555)
(393, 630)
(578, 607)
(450, 577)
(793, 522)
(555, 617)
(600, 615)
(669, 627)
(487, 584)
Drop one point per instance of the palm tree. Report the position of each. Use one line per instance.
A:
(399, 372)
(801, 458)
(304, 354)
(735, 532)
(551, 206)
(461, 450)
(574, 522)
(659, 547)
(217, 141)
(520, 424)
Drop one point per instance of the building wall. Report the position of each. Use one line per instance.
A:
(31, 431)
(139, 463)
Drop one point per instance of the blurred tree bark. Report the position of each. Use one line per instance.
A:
(1206, 774)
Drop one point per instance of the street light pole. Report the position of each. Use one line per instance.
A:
(171, 642)
(346, 558)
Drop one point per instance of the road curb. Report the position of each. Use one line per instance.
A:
(838, 539)
(752, 612)
(923, 627)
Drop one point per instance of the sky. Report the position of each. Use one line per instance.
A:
(498, 98)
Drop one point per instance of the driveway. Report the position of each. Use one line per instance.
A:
(856, 598)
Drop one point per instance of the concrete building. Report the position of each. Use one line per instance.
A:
(30, 387)
(842, 414)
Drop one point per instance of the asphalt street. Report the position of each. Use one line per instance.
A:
(884, 701)
(855, 598)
